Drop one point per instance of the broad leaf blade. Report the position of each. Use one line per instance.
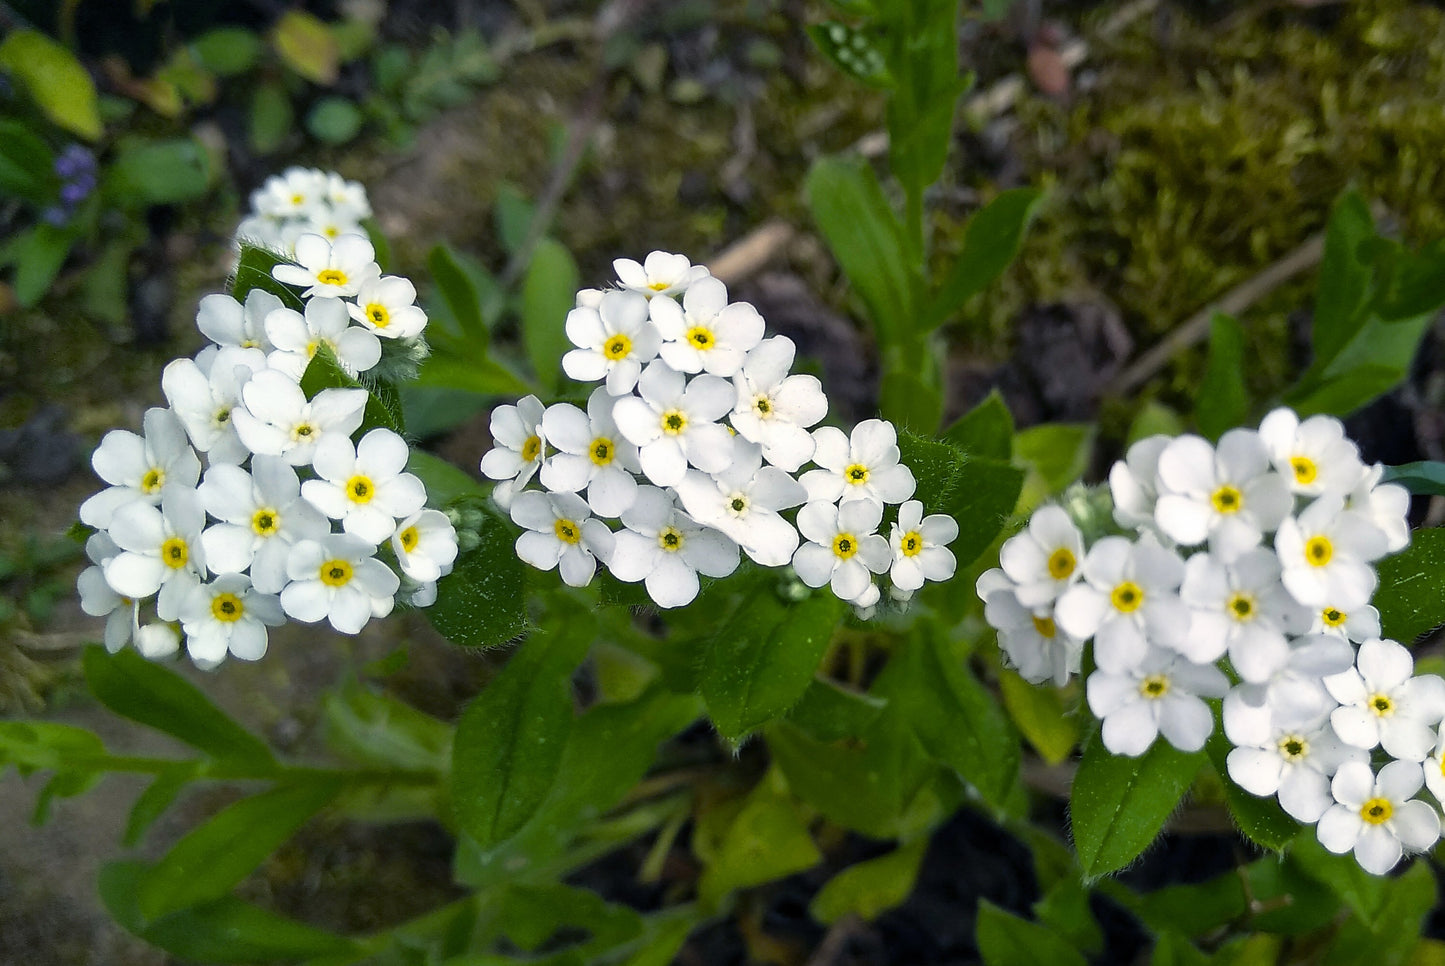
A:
(1223, 401)
(1411, 594)
(990, 244)
(547, 297)
(1007, 940)
(985, 430)
(253, 271)
(482, 602)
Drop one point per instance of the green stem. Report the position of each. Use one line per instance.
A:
(225, 771)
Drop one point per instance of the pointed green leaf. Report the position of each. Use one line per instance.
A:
(253, 270)
(57, 82)
(978, 493)
(459, 284)
(1040, 713)
(768, 840)
(990, 244)
(548, 294)
(483, 602)
(830, 711)
(869, 889)
(1223, 401)
(1411, 594)
(159, 795)
(159, 173)
(27, 165)
(1004, 939)
(1344, 287)
(1425, 478)
(985, 430)
(324, 372)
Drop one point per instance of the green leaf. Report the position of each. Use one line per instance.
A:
(213, 858)
(985, 430)
(27, 165)
(1119, 804)
(1364, 893)
(324, 372)
(158, 173)
(1411, 283)
(444, 482)
(1007, 940)
(486, 377)
(148, 693)
(1041, 714)
(1058, 452)
(1172, 949)
(482, 602)
(334, 120)
(990, 244)
(910, 400)
(511, 738)
(866, 239)
(768, 840)
(226, 931)
(531, 915)
(378, 731)
(1344, 287)
(1065, 909)
(548, 292)
(54, 79)
(869, 889)
(978, 493)
(431, 412)
(762, 658)
(1425, 478)
(1260, 819)
(227, 51)
(922, 55)
(1223, 402)
(152, 803)
(512, 214)
(253, 271)
(45, 745)
(830, 711)
(460, 283)
(852, 51)
(39, 256)
(270, 117)
(1154, 418)
(306, 45)
(1411, 593)
(1392, 937)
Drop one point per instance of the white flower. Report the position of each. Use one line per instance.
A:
(1313, 456)
(1435, 768)
(364, 486)
(920, 550)
(228, 615)
(1134, 483)
(139, 467)
(387, 306)
(561, 533)
(1127, 601)
(1385, 505)
(863, 466)
(346, 198)
(1242, 608)
(1294, 763)
(337, 579)
(261, 515)
(519, 449)
(743, 501)
(1376, 817)
(614, 341)
(226, 322)
(674, 423)
(1228, 496)
(1325, 553)
(1295, 694)
(843, 549)
(157, 640)
(203, 400)
(1160, 693)
(661, 273)
(1357, 624)
(278, 420)
(336, 269)
(1044, 559)
(326, 323)
(425, 544)
(667, 549)
(160, 549)
(99, 599)
(1383, 703)
(591, 453)
(291, 193)
(706, 333)
(775, 409)
(1032, 641)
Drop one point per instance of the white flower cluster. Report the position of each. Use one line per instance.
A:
(304, 201)
(675, 359)
(1253, 557)
(289, 515)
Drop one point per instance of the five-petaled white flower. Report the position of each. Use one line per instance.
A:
(775, 409)
(863, 466)
(1326, 555)
(160, 549)
(227, 322)
(139, 467)
(425, 544)
(614, 341)
(843, 549)
(1229, 496)
(1376, 817)
(364, 486)
(920, 547)
(329, 268)
(666, 549)
(327, 323)
(561, 533)
(519, 448)
(337, 579)
(1294, 763)
(261, 514)
(1239, 607)
(591, 454)
(278, 420)
(1032, 641)
(1295, 694)
(706, 333)
(660, 273)
(1134, 484)
(1313, 456)
(1386, 505)
(1383, 702)
(228, 616)
(743, 501)
(387, 306)
(674, 423)
(1127, 601)
(1357, 624)
(203, 399)
(99, 599)
(1160, 693)
(1044, 560)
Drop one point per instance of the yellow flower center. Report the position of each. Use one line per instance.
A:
(227, 608)
(1333, 616)
(1382, 704)
(1377, 811)
(1046, 627)
(670, 539)
(845, 545)
(335, 573)
(531, 448)
(175, 553)
(674, 422)
(1304, 469)
(331, 231)
(617, 347)
(1227, 499)
(856, 475)
(700, 337)
(153, 480)
(567, 531)
(657, 286)
(737, 504)
(1062, 563)
(1155, 686)
(1293, 747)
(302, 431)
(360, 489)
(265, 522)
(763, 406)
(1318, 551)
(331, 276)
(1127, 597)
(1241, 607)
(601, 451)
(222, 416)
(911, 544)
(298, 199)
(408, 539)
(378, 314)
